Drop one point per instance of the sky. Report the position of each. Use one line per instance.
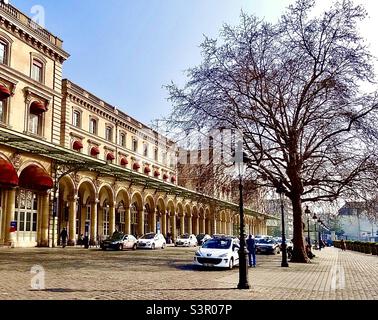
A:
(125, 51)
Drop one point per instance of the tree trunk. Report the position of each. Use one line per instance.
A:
(299, 251)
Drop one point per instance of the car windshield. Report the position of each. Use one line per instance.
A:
(117, 236)
(184, 236)
(266, 241)
(200, 236)
(217, 244)
(148, 236)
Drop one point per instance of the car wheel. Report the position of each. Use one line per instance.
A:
(120, 247)
(231, 264)
(153, 246)
(163, 246)
(103, 248)
(135, 246)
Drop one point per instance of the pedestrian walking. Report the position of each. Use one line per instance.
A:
(251, 247)
(64, 236)
(343, 245)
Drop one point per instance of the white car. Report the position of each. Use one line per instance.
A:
(218, 252)
(186, 240)
(152, 241)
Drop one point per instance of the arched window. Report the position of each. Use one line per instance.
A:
(4, 47)
(134, 219)
(120, 217)
(105, 218)
(147, 218)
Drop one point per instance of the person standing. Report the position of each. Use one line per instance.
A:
(64, 236)
(343, 245)
(251, 247)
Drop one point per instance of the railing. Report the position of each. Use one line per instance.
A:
(25, 20)
(8, 8)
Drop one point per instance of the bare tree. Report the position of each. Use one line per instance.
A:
(295, 90)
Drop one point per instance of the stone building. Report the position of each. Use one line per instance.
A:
(69, 159)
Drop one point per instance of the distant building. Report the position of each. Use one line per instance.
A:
(355, 224)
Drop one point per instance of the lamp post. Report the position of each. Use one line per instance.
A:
(281, 191)
(320, 233)
(243, 268)
(315, 218)
(308, 214)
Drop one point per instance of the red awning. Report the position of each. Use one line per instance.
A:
(136, 166)
(147, 170)
(4, 92)
(78, 145)
(173, 179)
(165, 176)
(95, 151)
(35, 178)
(110, 156)
(124, 162)
(8, 175)
(156, 173)
(37, 108)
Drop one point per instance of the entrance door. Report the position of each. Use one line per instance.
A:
(26, 214)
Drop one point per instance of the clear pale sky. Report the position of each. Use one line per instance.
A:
(124, 51)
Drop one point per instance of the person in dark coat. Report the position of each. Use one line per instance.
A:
(64, 236)
(251, 247)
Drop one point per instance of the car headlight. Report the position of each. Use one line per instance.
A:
(148, 243)
(198, 254)
(223, 255)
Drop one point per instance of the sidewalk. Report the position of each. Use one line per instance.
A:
(333, 274)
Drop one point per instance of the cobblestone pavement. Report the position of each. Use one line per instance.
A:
(75, 273)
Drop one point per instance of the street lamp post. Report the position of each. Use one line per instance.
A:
(315, 218)
(243, 253)
(281, 191)
(308, 214)
(320, 234)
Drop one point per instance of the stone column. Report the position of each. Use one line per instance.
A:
(128, 220)
(141, 223)
(45, 210)
(72, 222)
(182, 224)
(173, 226)
(153, 220)
(164, 224)
(9, 214)
(202, 225)
(112, 210)
(190, 225)
(93, 238)
(196, 225)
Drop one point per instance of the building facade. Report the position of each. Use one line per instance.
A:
(69, 159)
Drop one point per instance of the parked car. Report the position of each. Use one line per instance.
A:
(289, 244)
(218, 252)
(186, 240)
(202, 238)
(119, 241)
(267, 245)
(152, 241)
